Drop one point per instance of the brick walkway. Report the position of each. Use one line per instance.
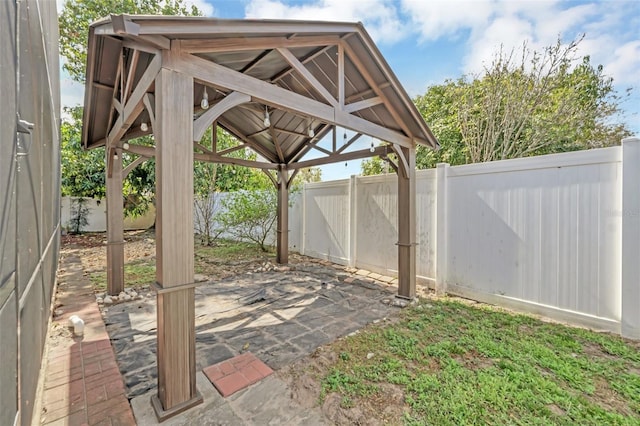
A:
(83, 385)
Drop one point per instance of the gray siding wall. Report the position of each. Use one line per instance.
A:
(29, 197)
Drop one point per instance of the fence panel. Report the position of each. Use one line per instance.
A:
(326, 227)
(542, 230)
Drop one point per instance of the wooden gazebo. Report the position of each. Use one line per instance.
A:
(279, 87)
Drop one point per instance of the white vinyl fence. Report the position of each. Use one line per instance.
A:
(557, 235)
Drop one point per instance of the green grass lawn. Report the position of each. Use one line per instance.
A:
(460, 364)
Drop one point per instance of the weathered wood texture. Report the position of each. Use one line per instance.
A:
(282, 255)
(407, 225)
(115, 225)
(174, 238)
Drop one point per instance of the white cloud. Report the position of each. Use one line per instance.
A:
(435, 19)
(202, 5)
(625, 64)
(380, 17)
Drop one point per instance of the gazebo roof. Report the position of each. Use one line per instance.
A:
(321, 75)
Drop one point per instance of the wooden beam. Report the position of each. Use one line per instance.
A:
(232, 149)
(349, 142)
(218, 75)
(134, 106)
(251, 65)
(335, 158)
(374, 85)
(135, 163)
(407, 226)
(288, 70)
(238, 44)
(115, 225)
(133, 66)
(174, 246)
(114, 94)
(365, 93)
(306, 74)
(101, 85)
(136, 45)
(123, 25)
(276, 143)
(360, 105)
(304, 149)
(341, 79)
(403, 163)
(158, 41)
(149, 103)
(229, 127)
(212, 158)
(203, 122)
(271, 178)
(282, 231)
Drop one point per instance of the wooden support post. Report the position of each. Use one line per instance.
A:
(115, 223)
(407, 224)
(282, 255)
(174, 245)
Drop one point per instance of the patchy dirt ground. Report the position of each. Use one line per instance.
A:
(140, 247)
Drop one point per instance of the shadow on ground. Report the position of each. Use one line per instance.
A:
(280, 315)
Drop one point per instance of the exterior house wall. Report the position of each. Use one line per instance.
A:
(29, 197)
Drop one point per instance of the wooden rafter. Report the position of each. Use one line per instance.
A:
(341, 79)
(131, 72)
(254, 145)
(310, 57)
(306, 74)
(360, 105)
(374, 85)
(276, 143)
(349, 143)
(134, 105)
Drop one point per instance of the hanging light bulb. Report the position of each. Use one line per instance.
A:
(345, 135)
(205, 99)
(345, 163)
(126, 145)
(267, 121)
(115, 155)
(144, 127)
(311, 133)
(372, 149)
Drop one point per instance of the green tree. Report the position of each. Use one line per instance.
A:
(250, 215)
(525, 103)
(83, 171)
(76, 16)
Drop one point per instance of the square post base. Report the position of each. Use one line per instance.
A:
(162, 414)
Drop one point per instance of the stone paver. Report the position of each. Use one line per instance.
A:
(237, 373)
(82, 382)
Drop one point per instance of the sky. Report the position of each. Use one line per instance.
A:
(427, 42)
